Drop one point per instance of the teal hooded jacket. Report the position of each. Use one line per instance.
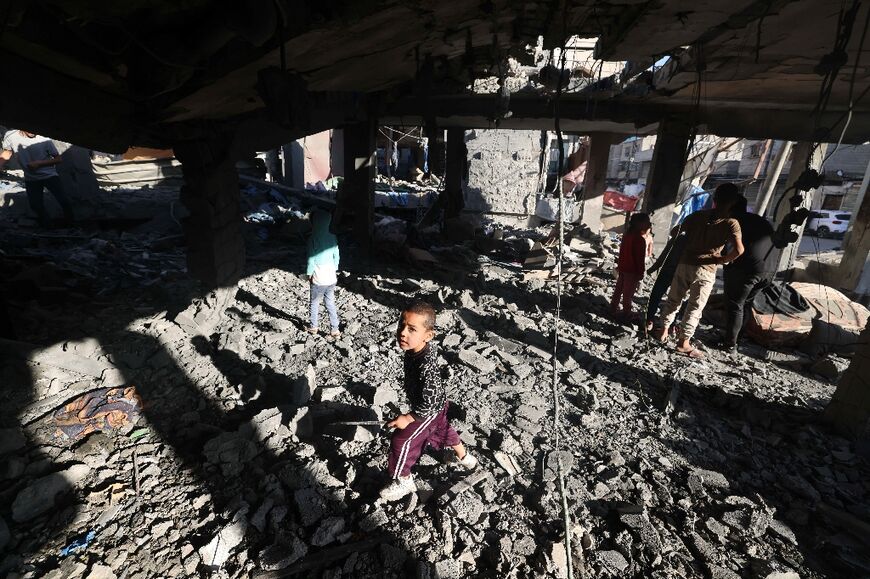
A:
(322, 245)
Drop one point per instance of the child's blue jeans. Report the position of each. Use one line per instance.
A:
(328, 293)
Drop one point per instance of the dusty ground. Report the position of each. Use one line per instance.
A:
(719, 468)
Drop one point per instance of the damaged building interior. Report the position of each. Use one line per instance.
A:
(170, 408)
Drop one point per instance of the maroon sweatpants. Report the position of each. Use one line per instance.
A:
(407, 445)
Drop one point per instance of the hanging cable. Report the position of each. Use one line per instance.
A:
(557, 410)
(851, 91)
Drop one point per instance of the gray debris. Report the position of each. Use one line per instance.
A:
(222, 545)
(40, 496)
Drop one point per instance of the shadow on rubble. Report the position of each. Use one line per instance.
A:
(747, 420)
(184, 419)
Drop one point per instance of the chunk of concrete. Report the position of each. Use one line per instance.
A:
(613, 561)
(222, 545)
(327, 531)
(99, 571)
(40, 496)
(230, 451)
(305, 386)
(476, 361)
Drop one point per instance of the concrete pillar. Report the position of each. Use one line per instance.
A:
(215, 247)
(769, 185)
(273, 166)
(294, 165)
(849, 409)
(803, 156)
(596, 179)
(855, 247)
(435, 135)
(360, 164)
(859, 200)
(665, 176)
(455, 172)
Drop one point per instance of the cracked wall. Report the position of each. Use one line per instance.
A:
(503, 168)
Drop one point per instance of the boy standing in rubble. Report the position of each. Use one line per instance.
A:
(707, 234)
(426, 423)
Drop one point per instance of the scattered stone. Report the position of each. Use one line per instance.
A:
(224, 543)
(477, 362)
(311, 506)
(328, 530)
(613, 561)
(507, 462)
(40, 496)
(449, 569)
(231, 452)
(99, 571)
(277, 557)
(560, 559)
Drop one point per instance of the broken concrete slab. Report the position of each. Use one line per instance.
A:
(223, 544)
(40, 496)
(230, 451)
(476, 361)
(507, 462)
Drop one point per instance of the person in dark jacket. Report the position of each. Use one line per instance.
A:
(748, 274)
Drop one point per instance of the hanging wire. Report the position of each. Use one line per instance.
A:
(851, 91)
(557, 410)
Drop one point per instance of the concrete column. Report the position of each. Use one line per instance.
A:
(294, 165)
(803, 156)
(855, 247)
(596, 176)
(772, 177)
(665, 176)
(849, 409)
(273, 166)
(859, 200)
(435, 136)
(360, 164)
(455, 172)
(215, 247)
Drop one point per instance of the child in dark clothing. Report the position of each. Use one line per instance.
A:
(426, 423)
(666, 265)
(631, 264)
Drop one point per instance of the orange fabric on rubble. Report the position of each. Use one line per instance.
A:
(101, 409)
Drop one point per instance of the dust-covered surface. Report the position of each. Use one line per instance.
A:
(718, 468)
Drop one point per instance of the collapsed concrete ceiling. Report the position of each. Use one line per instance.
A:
(109, 75)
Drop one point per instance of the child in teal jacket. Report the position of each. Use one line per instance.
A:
(322, 270)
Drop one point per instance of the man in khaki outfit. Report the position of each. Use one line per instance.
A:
(707, 233)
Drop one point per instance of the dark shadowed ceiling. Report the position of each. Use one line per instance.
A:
(112, 74)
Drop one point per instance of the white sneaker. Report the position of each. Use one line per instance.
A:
(400, 487)
(468, 462)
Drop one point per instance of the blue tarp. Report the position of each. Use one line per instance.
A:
(697, 200)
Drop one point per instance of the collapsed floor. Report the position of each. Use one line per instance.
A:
(236, 465)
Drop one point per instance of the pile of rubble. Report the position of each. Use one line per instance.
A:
(256, 448)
